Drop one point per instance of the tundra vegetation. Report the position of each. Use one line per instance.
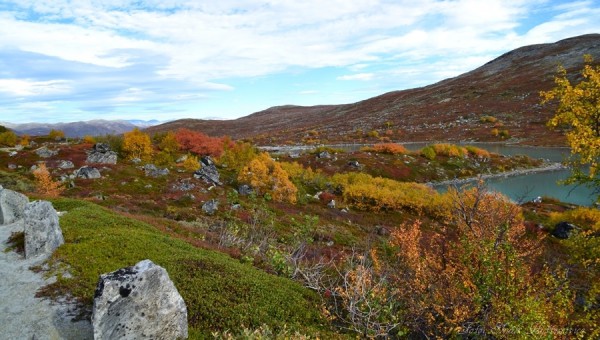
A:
(327, 244)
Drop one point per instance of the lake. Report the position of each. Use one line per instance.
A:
(520, 188)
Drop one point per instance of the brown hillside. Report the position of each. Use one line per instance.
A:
(506, 88)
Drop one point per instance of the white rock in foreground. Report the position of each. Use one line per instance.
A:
(42, 231)
(138, 302)
(12, 206)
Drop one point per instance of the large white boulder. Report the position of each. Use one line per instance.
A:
(12, 206)
(42, 231)
(138, 302)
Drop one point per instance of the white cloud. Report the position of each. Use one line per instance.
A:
(131, 52)
(357, 76)
(26, 88)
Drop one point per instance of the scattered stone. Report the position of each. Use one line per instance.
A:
(294, 155)
(184, 185)
(562, 230)
(181, 159)
(236, 206)
(87, 172)
(44, 152)
(136, 161)
(12, 166)
(354, 164)
(12, 206)
(12, 154)
(101, 154)
(33, 168)
(42, 231)
(344, 210)
(537, 199)
(324, 154)
(331, 204)
(152, 171)
(208, 172)
(382, 231)
(64, 164)
(245, 190)
(138, 302)
(148, 186)
(210, 207)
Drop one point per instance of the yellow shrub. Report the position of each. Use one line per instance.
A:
(267, 176)
(191, 163)
(365, 192)
(388, 148)
(584, 217)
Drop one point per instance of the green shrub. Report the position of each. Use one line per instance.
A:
(428, 152)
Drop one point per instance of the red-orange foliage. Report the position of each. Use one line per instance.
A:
(201, 144)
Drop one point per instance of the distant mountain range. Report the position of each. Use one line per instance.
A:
(456, 109)
(80, 129)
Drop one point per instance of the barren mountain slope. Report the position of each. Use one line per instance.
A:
(506, 88)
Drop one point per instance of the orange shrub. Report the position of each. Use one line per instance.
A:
(389, 148)
(199, 143)
(44, 183)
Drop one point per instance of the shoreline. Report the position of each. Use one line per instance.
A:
(460, 181)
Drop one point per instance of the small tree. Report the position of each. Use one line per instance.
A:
(268, 177)
(8, 138)
(137, 144)
(56, 134)
(578, 111)
(44, 183)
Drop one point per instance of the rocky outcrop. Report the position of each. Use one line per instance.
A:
(152, 171)
(208, 172)
(88, 172)
(12, 206)
(563, 230)
(138, 302)
(42, 231)
(44, 152)
(101, 154)
(210, 207)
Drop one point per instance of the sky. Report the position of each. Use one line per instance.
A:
(77, 60)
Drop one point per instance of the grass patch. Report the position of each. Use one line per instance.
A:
(16, 242)
(220, 293)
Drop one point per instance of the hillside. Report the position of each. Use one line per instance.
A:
(505, 89)
(98, 127)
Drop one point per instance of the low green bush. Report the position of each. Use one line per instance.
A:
(220, 292)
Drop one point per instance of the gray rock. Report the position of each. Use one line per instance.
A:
(44, 152)
(12, 154)
(245, 190)
(101, 147)
(181, 159)
(101, 154)
(42, 231)
(354, 164)
(136, 161)
(210, 207)
(208, 172)
(88, 172)
(324, 154)
(152, 171)
(138, 302)
(563, 230)
(63, 164)
(184, 185)
(12, 166)
(12, 206)
(331, 204)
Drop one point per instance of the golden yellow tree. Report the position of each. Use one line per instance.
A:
(44, 183)
(137, 144)
(267, 176)
(56, 134)
(578, 110)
